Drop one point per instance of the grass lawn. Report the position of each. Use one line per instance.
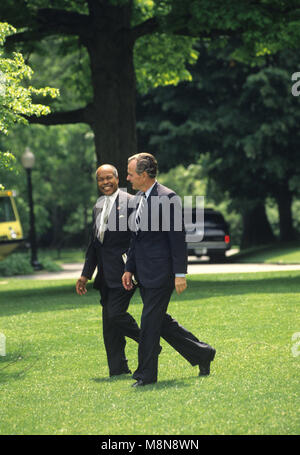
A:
(54, 377)
(66, 255)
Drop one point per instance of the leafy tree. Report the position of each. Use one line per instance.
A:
(16, 99)
(242, 120)
(151, 40)
(64, 187)
(191, 181)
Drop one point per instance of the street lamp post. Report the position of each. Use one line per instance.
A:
(28, 160)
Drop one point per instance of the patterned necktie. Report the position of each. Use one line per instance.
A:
(104, 220)
(139, 212)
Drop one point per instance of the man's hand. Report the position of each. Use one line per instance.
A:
(127, 281)
(80, 285)
(180, 284)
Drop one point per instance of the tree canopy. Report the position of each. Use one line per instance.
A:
(241, 121)
(16, 100)
(120, 42)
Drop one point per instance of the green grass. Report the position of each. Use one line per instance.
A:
(271, 254)
(54, 378)
(66, 255)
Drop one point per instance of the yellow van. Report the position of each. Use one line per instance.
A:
(11, 234)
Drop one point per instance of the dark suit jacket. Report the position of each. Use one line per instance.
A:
(107, 256)
(155, 255)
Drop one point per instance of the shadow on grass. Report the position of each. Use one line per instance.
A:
(265, 252)
(157, 386)
(107, 379)
(160, 385)
(14, 361)
(63, 297)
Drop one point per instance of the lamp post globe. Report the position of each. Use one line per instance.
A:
(28, 159)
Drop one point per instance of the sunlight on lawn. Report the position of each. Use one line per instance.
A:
(54, 377)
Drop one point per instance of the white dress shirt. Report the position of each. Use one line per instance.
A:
(110, 200)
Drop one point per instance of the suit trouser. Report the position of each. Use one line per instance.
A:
(155, 322)
(117, 324)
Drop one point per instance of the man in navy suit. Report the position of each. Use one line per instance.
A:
(158, 258)
(109, 241)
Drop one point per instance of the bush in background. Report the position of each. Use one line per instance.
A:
(19, 264)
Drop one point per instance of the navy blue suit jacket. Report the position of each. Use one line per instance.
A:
(156, 254)
(107, 256)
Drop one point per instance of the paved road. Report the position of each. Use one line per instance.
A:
(195, 267)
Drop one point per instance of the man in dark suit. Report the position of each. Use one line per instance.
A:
(158, 258)
(109, 241)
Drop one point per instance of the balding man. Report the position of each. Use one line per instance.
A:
(109, 241)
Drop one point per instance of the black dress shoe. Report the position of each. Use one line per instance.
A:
(204, 367)
(118, 373)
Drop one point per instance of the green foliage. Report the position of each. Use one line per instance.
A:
(258, 28)
(194, 123)
(19, 264)
(64, 63)
(242, 120)
(185, 181)
(49, 265)
(296, 214)
(192, 181)
(16, 100)
(6, 162)
(64, 188)
(16, 264)
(161, 60)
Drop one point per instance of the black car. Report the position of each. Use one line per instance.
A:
(207, 234)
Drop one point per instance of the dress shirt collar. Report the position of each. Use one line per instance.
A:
(112, 197)
(150, 189)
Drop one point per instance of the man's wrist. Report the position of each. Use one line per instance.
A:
(83, 279)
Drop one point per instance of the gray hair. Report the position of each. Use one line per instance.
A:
(145, 162)
(114, 169)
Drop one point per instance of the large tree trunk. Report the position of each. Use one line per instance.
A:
(284, 200)
(113, 79)
(256, 226)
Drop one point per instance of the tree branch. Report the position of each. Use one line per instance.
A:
(152, 26)
(213, 33)
(61, 21)
(49, 21)
(82, 115)
(145, 28)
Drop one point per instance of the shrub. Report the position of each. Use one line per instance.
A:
(16, 264)
(19, 264)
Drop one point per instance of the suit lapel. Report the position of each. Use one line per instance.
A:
(118, 215)
(153, 193)
(121, 203)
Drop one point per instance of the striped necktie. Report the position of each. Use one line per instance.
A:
(104, 220)
(139, 212)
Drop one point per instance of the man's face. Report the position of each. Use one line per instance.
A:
(107, 182)
(137, 181)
